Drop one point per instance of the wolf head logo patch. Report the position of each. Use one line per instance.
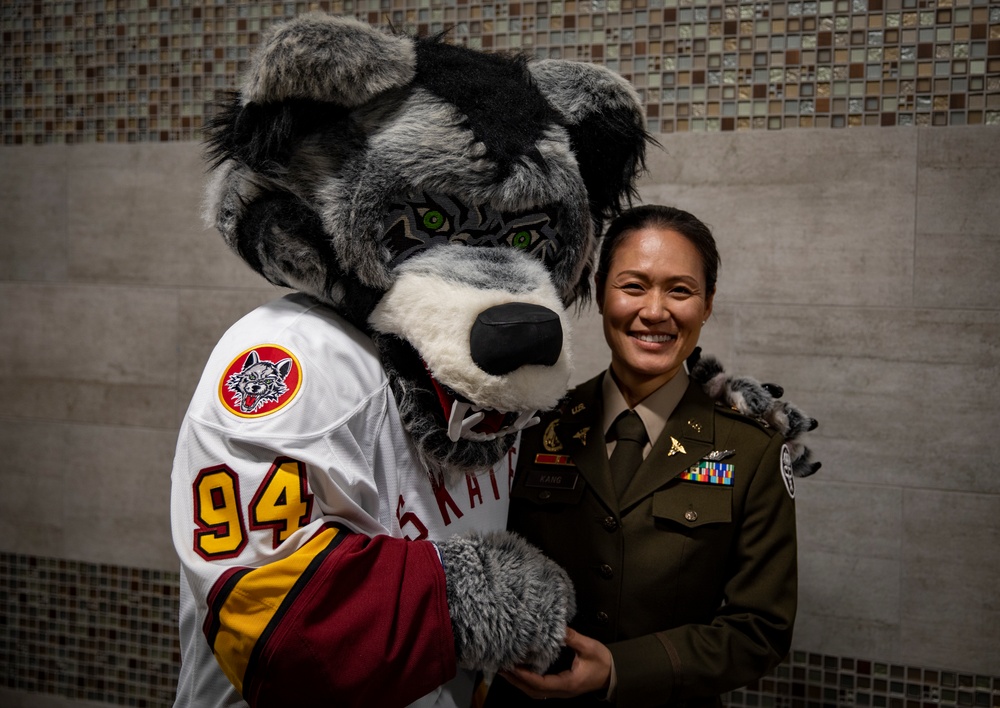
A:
(260, 381)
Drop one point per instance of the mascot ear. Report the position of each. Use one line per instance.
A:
(329, 59)
(308, 73)
(606, 127)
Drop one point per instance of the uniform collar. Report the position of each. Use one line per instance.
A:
(654, 409)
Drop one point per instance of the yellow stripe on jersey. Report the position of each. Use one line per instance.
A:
(243, 614)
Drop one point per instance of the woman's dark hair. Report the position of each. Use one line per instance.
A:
(664, 217)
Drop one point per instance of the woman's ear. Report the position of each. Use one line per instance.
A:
(708, 307)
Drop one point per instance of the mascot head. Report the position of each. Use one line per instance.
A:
(447, 202)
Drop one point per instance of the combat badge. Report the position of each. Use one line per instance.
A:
(719, 455)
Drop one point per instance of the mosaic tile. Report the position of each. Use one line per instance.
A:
(88, 631)
(153, 70)
(109, 634)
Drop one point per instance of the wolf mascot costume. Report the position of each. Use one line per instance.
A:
(341, 480)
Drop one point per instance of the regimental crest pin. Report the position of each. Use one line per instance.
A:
(550, 441)
(786, 470)
(675, 447)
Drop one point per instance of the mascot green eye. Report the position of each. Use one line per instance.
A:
(433, 220)
(521, 239)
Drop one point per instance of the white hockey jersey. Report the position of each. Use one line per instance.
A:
(302, 516)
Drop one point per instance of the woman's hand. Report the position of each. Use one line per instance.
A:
(590, 672)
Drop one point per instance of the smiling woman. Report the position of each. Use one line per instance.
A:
(684, 558)
(655, 286)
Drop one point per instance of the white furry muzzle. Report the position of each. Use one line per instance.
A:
(434, 303)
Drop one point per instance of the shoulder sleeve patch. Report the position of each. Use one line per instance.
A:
(260, 381)
(786, 470)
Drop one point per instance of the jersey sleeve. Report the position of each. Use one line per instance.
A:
(357, 620)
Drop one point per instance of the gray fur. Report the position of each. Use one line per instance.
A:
(328, 58)
(752, 398)
(577, 90)
(426, 147)
(483, 268)
(509, 604)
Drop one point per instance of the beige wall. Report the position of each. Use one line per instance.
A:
(860, 271)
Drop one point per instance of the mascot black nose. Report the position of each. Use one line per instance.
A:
(509, 336)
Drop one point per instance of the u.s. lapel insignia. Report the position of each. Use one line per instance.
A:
(718, 455)
(581, 435)
(694, 425)
(578, 407)
(549, 440)
(675, 447)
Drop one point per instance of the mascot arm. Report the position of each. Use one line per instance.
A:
(509, 604)
(354, 619)
(298, 592)
(295, 605)
(382, 621)
(759, 401)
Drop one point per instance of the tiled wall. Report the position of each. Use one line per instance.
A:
(108, 634)
(88, 631)
(864, 312)
(150, 70)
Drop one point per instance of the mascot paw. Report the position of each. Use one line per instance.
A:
(757, 400)
(509, 604)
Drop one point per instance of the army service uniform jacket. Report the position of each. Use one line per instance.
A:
(690, 578)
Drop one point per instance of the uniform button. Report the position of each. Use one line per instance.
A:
(544, 495)
(691, 515)
(610, 523)
(606, 571)
(602, 617)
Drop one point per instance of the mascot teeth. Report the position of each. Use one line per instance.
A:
(461, 427)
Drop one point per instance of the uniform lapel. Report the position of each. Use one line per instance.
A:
(692, 426)
(579, 429)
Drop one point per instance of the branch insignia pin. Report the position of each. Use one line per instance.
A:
(581, 435)
(675, 447)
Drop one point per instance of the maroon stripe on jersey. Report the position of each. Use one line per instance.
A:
(368, 626)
